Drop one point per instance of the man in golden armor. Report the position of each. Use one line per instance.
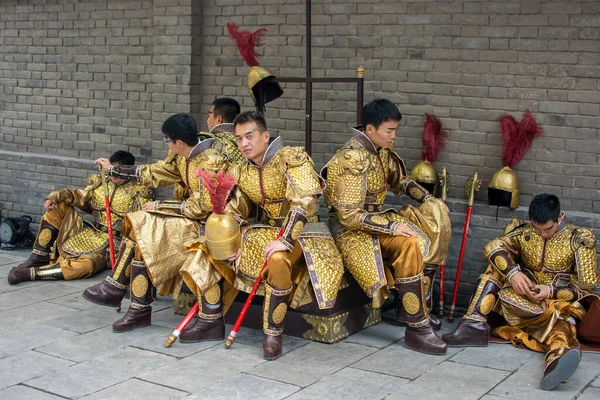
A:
(69, 248)
(540, 276)
(371, 239)
(279, 190)
(153, 250)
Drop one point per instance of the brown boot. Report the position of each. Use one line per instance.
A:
(48, 273)
(473, 329)
(560, 365)
(139, 313)
(42, 247)
(419, 336)
(429, 273)
(209, 325)
(274, 310)
(111, 291)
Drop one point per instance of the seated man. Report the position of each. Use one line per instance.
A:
(358, 178)
(280, 188)
(153, 250)
(538, 276)
(68, 248)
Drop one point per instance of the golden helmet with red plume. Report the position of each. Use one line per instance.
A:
(503, 188)
(223, 236)
(247, 42)
(433, 142)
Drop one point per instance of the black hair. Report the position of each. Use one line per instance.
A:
(122, 157)
(379, 111)
(227, 108)
(251, 116)
(543, 208)
(181, 127)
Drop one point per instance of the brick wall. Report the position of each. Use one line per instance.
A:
(81, 79)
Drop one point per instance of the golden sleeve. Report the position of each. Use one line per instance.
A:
(77, 197)
(159, 174)
(503, 252)
(400, 183)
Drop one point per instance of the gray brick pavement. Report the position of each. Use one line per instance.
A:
(55, 345)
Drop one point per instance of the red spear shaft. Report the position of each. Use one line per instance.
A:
(471, 187)
(444, 183)
(111, 241)
(238, 323)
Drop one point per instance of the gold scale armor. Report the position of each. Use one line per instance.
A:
(358, 178)
(286, 190)
(566, 262)
(125, 198)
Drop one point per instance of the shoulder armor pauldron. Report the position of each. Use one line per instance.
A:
(514, 227)
(398, 160)
(290, 157)
(94, 181)
(170, 157)
(353, 161)
(582, 237)
(140, 190)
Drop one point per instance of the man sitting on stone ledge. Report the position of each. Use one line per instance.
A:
(540, 278)
(371, 239)
(66, 248)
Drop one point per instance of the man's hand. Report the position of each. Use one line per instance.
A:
(540, 292)
(237, 255)
(149, 206)
(522, 285)
(103, 163)
(49, 205)
(404, 230)
(274, 247)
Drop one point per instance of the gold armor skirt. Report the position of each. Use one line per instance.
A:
(324, 266)
(161, 240)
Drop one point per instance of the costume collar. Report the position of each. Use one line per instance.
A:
(273, 148)
(225, 127)
(363, 139)
(200, 147)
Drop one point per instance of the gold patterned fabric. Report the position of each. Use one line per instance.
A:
(358, 178)
(284, 192)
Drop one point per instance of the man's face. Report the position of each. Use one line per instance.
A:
(546, 229)
(213, 120)
(384, 135)
(251, 141)
(114, 180)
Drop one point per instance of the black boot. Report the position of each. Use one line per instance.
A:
(473, 329)
(429, 273)
(143, 293)
(42, 247)
(419, 335)
(209, 325)
(111, 291)
(274, 311)
(46, 273)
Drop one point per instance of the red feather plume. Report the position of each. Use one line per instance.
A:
(218, 187)
(246, 42)
(517, 137)
(433, 138)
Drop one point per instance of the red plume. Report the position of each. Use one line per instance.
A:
(517, 137)
(246, 42)
(433, 138)
(218, 187)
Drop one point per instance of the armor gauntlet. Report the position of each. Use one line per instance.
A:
(128, 172)
(170, 206)
(501, 260)
(297, 218)
(415, 191)
(377, 223)
(562, 288)
(583, 243)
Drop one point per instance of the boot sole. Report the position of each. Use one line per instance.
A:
(566, 366)
(271, 358)
(99, 303)
(131, 329)
(425, 352)
(201, 340)
(465, 345)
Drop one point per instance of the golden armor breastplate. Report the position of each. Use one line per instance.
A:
(549, 258)
(265, 186)
(121, 202)
(377, 178)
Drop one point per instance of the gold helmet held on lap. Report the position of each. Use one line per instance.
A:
(223, 236)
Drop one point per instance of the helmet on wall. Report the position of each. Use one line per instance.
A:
(433, 141)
